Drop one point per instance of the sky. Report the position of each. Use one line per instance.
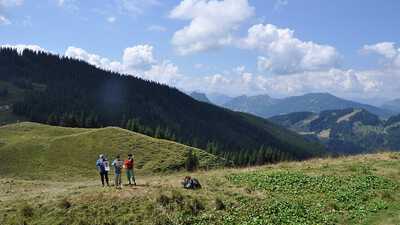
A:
(276, 47)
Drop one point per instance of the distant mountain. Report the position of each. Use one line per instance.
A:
(265, 106)
(256, 105)
(345, 131)
(218, 98)
(393, 105)
(201, 97)
(47, 88)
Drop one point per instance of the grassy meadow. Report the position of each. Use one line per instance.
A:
(60, 184)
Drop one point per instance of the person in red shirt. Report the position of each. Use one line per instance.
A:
(128, 164)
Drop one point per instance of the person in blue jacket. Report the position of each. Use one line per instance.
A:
(103, 168)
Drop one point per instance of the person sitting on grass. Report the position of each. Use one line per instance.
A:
(118, 164)
(102, 165)
(191, 183)
(128, 165)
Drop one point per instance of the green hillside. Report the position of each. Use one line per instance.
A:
(352, 190)
(35, 151)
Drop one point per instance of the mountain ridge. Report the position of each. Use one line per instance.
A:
(265, 106)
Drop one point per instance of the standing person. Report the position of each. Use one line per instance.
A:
(118, 164)
(101, 167)
(128, 164)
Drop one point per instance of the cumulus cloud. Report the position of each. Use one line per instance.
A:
(138, 57)
(282, 53)
(386, 49)
(211, 23)
(97, 60)
(137, 60)
(345, 83)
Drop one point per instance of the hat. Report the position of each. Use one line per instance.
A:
(130, 154)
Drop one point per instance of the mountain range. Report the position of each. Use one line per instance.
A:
(345, 131)
(266, 106)
(46, 88)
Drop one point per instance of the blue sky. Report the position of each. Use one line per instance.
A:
(275, 47)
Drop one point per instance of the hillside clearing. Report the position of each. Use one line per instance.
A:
(36, 151)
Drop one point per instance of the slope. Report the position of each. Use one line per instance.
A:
(37, 151)
(76, 94)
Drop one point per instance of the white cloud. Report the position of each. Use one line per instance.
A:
(111, 19)
(388, 51)
(285, 54)
(101, 62)
(156, 28)
(137, 61)
(164, 72)
(345, 83)
(138, 57)
(21, 47)
(211, 23)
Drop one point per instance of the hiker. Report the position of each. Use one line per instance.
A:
(102, 166)
(191, 183)
(118, 164)
(128, 165)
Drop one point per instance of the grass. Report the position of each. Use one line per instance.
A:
(352, 190)
(54, 189)
(36, 151)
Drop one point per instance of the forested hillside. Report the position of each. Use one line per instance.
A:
(346, 131)
(67, 92)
